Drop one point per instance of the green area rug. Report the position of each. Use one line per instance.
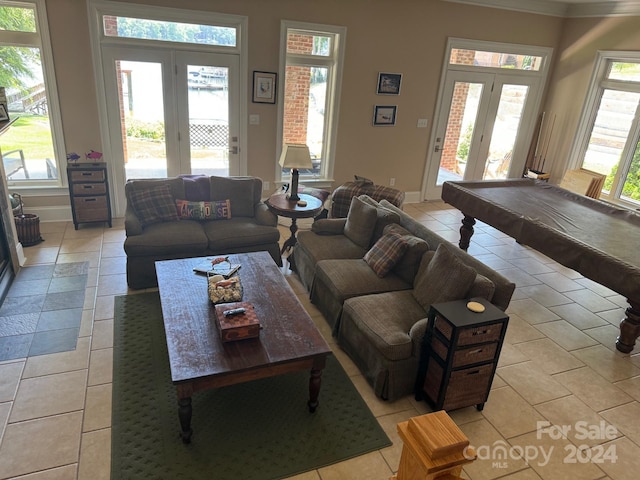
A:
(256, 430)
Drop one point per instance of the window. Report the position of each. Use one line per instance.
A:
(167, 31)
(313, 56)
(32, 147)
(608, 140)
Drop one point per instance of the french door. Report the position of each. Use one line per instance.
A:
(483, 128)
(488, 102)
(170, 112)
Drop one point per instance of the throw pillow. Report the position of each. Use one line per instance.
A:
(216, 210)
(482, 287)
(407, 267)
(361, 221)
(443, 279)
(153, 205)
(385, 253)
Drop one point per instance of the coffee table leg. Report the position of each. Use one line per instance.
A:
(314, 388)
(184, 414)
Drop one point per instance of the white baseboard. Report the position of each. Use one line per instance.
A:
(412, 197)
(57, 213)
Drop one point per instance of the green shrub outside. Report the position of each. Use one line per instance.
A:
(148, 130)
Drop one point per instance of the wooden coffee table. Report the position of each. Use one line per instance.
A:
(289, 341)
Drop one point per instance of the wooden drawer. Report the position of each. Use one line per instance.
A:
(89, 188)
(467, 355)
(465, 387)
(87, 176)
(468, 387)
(475, 354)
(470, 335)
(82, 204)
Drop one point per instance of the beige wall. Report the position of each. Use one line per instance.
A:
(405, 36)
(581, 39)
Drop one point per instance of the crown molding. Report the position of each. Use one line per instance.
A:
(562, 9)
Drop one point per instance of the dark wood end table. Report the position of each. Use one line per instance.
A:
(280, 204)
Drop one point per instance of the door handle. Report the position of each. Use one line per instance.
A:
(437, 148)
(233, 150)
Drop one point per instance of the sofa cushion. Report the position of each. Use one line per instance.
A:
(154, 204)
(361, 221)
(407, 267)
(322, 247)
(215, 210)
(442, 279)
(337, 280)
(482, 287)
(386, 253)
(238, 232)
(384, 217)
(183, 238)
(385, 319)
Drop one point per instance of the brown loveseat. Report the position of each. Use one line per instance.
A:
(379, 321)
(214, 216)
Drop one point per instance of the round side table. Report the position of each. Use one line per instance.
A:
(280, 204)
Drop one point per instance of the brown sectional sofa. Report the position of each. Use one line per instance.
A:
(380, 321)
(250, 228)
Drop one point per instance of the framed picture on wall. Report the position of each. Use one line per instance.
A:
(384, 115)
(389, 83)
(3, 113)
(264, 87)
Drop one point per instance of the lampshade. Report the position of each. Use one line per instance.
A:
(295, 156)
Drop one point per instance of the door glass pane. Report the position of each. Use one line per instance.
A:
(505, 130)
(609, 134)
(209, 119)
(478, 58)
(631, 188)
(142, 118)
(27, 147)
(304, 111)
(129, 27)
(460, 126)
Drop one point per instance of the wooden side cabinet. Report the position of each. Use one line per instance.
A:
(89, 193)
(459, 355)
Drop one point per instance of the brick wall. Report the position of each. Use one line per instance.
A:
(454, 124)
(296, 94)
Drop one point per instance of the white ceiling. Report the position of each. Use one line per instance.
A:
(564, 8)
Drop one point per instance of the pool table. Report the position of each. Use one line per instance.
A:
(595, 238)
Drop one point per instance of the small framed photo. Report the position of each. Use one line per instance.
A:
(389, 83)
(264, 87)
(3, 113)
(384, 115)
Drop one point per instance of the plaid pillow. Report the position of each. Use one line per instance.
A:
(385, 253)
(216, 210)
(153, 205)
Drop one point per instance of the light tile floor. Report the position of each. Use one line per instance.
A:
(558, 365)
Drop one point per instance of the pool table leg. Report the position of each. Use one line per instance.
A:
(629, 328)
(466, 231)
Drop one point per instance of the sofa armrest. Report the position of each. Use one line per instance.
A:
(132, 223)
(264, 216)
(417, 333)
(329, 226)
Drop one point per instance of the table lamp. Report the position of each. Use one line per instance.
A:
(295, 157)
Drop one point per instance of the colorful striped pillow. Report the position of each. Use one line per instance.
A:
(214, 210)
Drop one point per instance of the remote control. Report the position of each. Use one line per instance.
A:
(235, 311)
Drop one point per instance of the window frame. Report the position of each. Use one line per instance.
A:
(41, 39)
(334, 63)
(597, 86)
